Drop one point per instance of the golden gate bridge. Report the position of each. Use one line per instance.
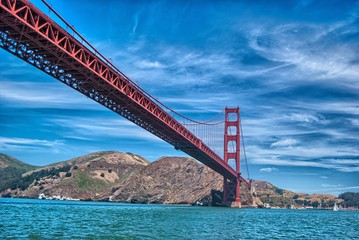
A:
(32, 36)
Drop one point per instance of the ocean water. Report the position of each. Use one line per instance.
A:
(48, 219)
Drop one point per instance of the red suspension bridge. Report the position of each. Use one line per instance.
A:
(32, 36)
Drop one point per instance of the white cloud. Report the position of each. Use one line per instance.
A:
(348, 107)
(26, 141)
(343, 161)
(320, 151)
(284, 143)
(304, 47)
(135, 25)
(347, 169)
(269, 169)
(331, 185)
(355, 122)
(306, 117)
(26, 144)
(144, 64)
(338, 188)
(281, 162)
(43, 95)
(192, 67)
(92, 128)
(304, 163)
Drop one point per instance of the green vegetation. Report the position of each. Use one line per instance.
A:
(93, 156)
(279, 191)
(85, 183)
(24, 182)
(315, 204)
(277, 201)
(11, 171)
(10, 162)
(351, 199)
(9, 176)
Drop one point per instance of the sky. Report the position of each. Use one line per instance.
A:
(291, 66)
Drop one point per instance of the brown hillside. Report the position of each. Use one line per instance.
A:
(88, 176)
(169, 180)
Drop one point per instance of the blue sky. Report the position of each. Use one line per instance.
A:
(291, 66)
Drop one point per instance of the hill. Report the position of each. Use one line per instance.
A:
(126, 177)
(266, 193)
(169, 180)
(123, 177)
(83, 177)
(11, 171)
(7, 161)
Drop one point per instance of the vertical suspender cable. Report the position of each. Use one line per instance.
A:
(244, 149)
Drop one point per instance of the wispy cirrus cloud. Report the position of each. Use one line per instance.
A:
(317, 163)
(145, 64)
(307, 53)
(331, 185)
(268, 170)
(32, 145)
(98, 127)
(307, 118)
(336, 190)
(284, 143)
(42, 95)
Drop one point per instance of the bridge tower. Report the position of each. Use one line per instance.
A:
(232, 186)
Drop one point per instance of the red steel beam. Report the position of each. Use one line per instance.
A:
(30, 35)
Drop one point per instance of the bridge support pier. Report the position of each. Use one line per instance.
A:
(231, 192)
(232, 187)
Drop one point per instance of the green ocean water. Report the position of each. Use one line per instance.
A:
(45, 219)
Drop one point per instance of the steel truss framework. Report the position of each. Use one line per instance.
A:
(30, 35)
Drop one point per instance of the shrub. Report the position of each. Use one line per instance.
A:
(351, 199)
(102, 175)
(110, 170)
(279, 191)
(17, 181)
(315, 204)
